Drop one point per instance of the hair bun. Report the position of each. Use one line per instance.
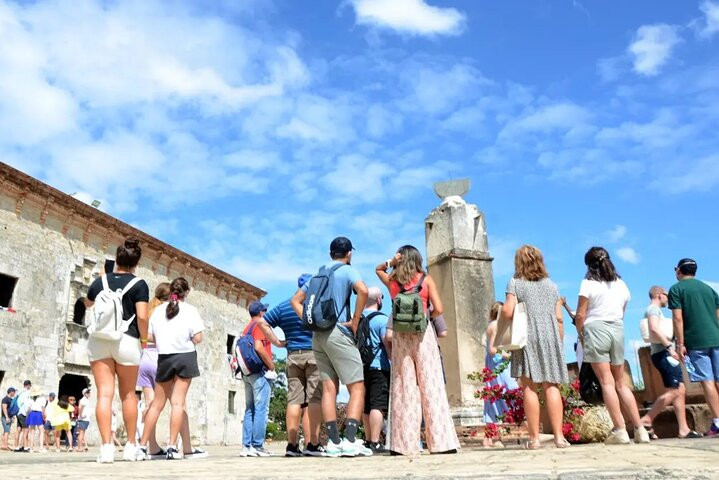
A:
(132, 243)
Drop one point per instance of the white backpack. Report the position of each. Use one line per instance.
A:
(106, 321)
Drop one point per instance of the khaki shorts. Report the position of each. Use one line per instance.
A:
(337, 357)
(303, 378)
(126, 352)
(604, 342)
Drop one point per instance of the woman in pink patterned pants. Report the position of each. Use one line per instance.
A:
(417, 387)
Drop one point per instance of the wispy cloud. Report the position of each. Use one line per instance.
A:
(652, 47)
(413, 17)
(709, 25)
(628, 254)
(616, 234)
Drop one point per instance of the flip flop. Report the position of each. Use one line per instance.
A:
(650, 431)
(533, 445)
(691, 434)
(563, 444)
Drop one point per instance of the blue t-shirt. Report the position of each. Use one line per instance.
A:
(377, 331)
(345, 278)
(282, 316)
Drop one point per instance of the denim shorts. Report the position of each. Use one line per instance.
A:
(83, 424)
(706, 364)
(671, 374)
(5, 425)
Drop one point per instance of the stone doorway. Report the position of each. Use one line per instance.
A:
(72, 385)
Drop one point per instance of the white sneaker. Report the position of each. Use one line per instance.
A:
(641, 435)
(248, 452)
(129, 453)
(141, 453)
(354, 449)
(107, 453)
(618, 437)
(196, 453)
(262, 452)
(333, 449)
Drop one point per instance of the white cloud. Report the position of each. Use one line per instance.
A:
(711, 19)
(652, 47)
(413, 17)
(699, 175)
(558, 116)
(440, 89)
(616, 234)
(628, 254)
(610, 69)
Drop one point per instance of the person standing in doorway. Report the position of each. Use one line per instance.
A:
(84, 414)
(7, 417)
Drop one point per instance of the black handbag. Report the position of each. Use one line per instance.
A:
(589, 387)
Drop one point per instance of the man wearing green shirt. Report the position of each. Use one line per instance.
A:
(695, 312)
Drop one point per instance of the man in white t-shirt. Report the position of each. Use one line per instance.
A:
(23, 402)
(85, 413)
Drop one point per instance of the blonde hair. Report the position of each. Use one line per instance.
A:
(494, 311)
(408, 265)
(162, 294)
(529, 264)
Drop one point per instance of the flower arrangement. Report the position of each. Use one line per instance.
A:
(574, 407)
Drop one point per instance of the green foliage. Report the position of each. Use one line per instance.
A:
(277, 425)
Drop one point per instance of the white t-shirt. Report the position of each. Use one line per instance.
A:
(87, 408)
(38, 404)
(606, 300)
(175, 335)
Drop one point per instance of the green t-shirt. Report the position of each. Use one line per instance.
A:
(699, 303)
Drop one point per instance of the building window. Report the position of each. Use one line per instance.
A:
(7, 287)
(231, 402)
(230, 344)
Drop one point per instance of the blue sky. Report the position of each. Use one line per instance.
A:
(251, 133)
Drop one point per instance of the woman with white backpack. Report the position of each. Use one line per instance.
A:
(118, 328)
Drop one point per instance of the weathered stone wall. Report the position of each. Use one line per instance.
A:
(55, 253)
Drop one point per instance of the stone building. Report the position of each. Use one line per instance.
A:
(51, 248)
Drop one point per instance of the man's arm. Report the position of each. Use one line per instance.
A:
(270, 334)
(362, 295)
(678, 320)
(297, 302)
(5, 412)
(264, 356)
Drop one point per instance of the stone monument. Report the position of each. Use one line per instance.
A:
(459, 261)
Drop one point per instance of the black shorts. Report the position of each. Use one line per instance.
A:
(171, 365)
(376, 384)
(671, 374)
(22, 421)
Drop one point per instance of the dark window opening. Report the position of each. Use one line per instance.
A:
(2, 375)
(231, 402)
(7, 287)
(78, 312)
(230, 344)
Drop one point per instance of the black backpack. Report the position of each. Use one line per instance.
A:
(589, 387)
(320, 312)
(364, 342)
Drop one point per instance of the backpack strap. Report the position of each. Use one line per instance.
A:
(105, 285)
(417, 287)
(373, 314)
(130, 284)
(346, 306)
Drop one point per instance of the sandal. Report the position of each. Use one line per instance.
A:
(691, 434)
(530, 445)
(650, 430)
(562, 444)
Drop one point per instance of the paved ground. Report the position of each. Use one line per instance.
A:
(684, 459)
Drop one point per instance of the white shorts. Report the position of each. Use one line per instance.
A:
(125, 352)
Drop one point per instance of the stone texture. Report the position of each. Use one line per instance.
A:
(459, 261)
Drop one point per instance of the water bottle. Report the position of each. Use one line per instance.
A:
(672, 361)
(689, 366)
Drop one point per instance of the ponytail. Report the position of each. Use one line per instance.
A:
(599, 266)
(178, 290)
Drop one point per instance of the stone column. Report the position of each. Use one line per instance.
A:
(459, 261)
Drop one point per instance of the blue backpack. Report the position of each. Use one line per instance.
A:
(320, 312)
(14, 408)
(248, 362)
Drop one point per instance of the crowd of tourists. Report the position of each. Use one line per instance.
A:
(390, 364)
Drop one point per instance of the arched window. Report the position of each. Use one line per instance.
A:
(78, 314)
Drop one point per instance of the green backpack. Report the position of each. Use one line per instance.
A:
(408, 312)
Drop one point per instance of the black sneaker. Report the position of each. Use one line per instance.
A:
(173, 454)
(314, 450)
(378, 448)
(293, 450)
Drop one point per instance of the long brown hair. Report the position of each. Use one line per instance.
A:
(599, 265)
(529, 264)
(408, 265)
(494, 311)
(179, 289)
(162, 294)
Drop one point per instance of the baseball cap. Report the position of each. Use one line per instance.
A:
(685, 261)
(256, 307)
(341, 246)
(11, 390)
(51, 394)
(304, 278)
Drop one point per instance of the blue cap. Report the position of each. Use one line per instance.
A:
(256, 307)
(304, 278)
(51, 394)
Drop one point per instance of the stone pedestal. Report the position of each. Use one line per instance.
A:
(459, 261)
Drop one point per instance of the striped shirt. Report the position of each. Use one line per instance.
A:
(282, 316)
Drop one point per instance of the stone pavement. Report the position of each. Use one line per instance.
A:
(685, 459)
